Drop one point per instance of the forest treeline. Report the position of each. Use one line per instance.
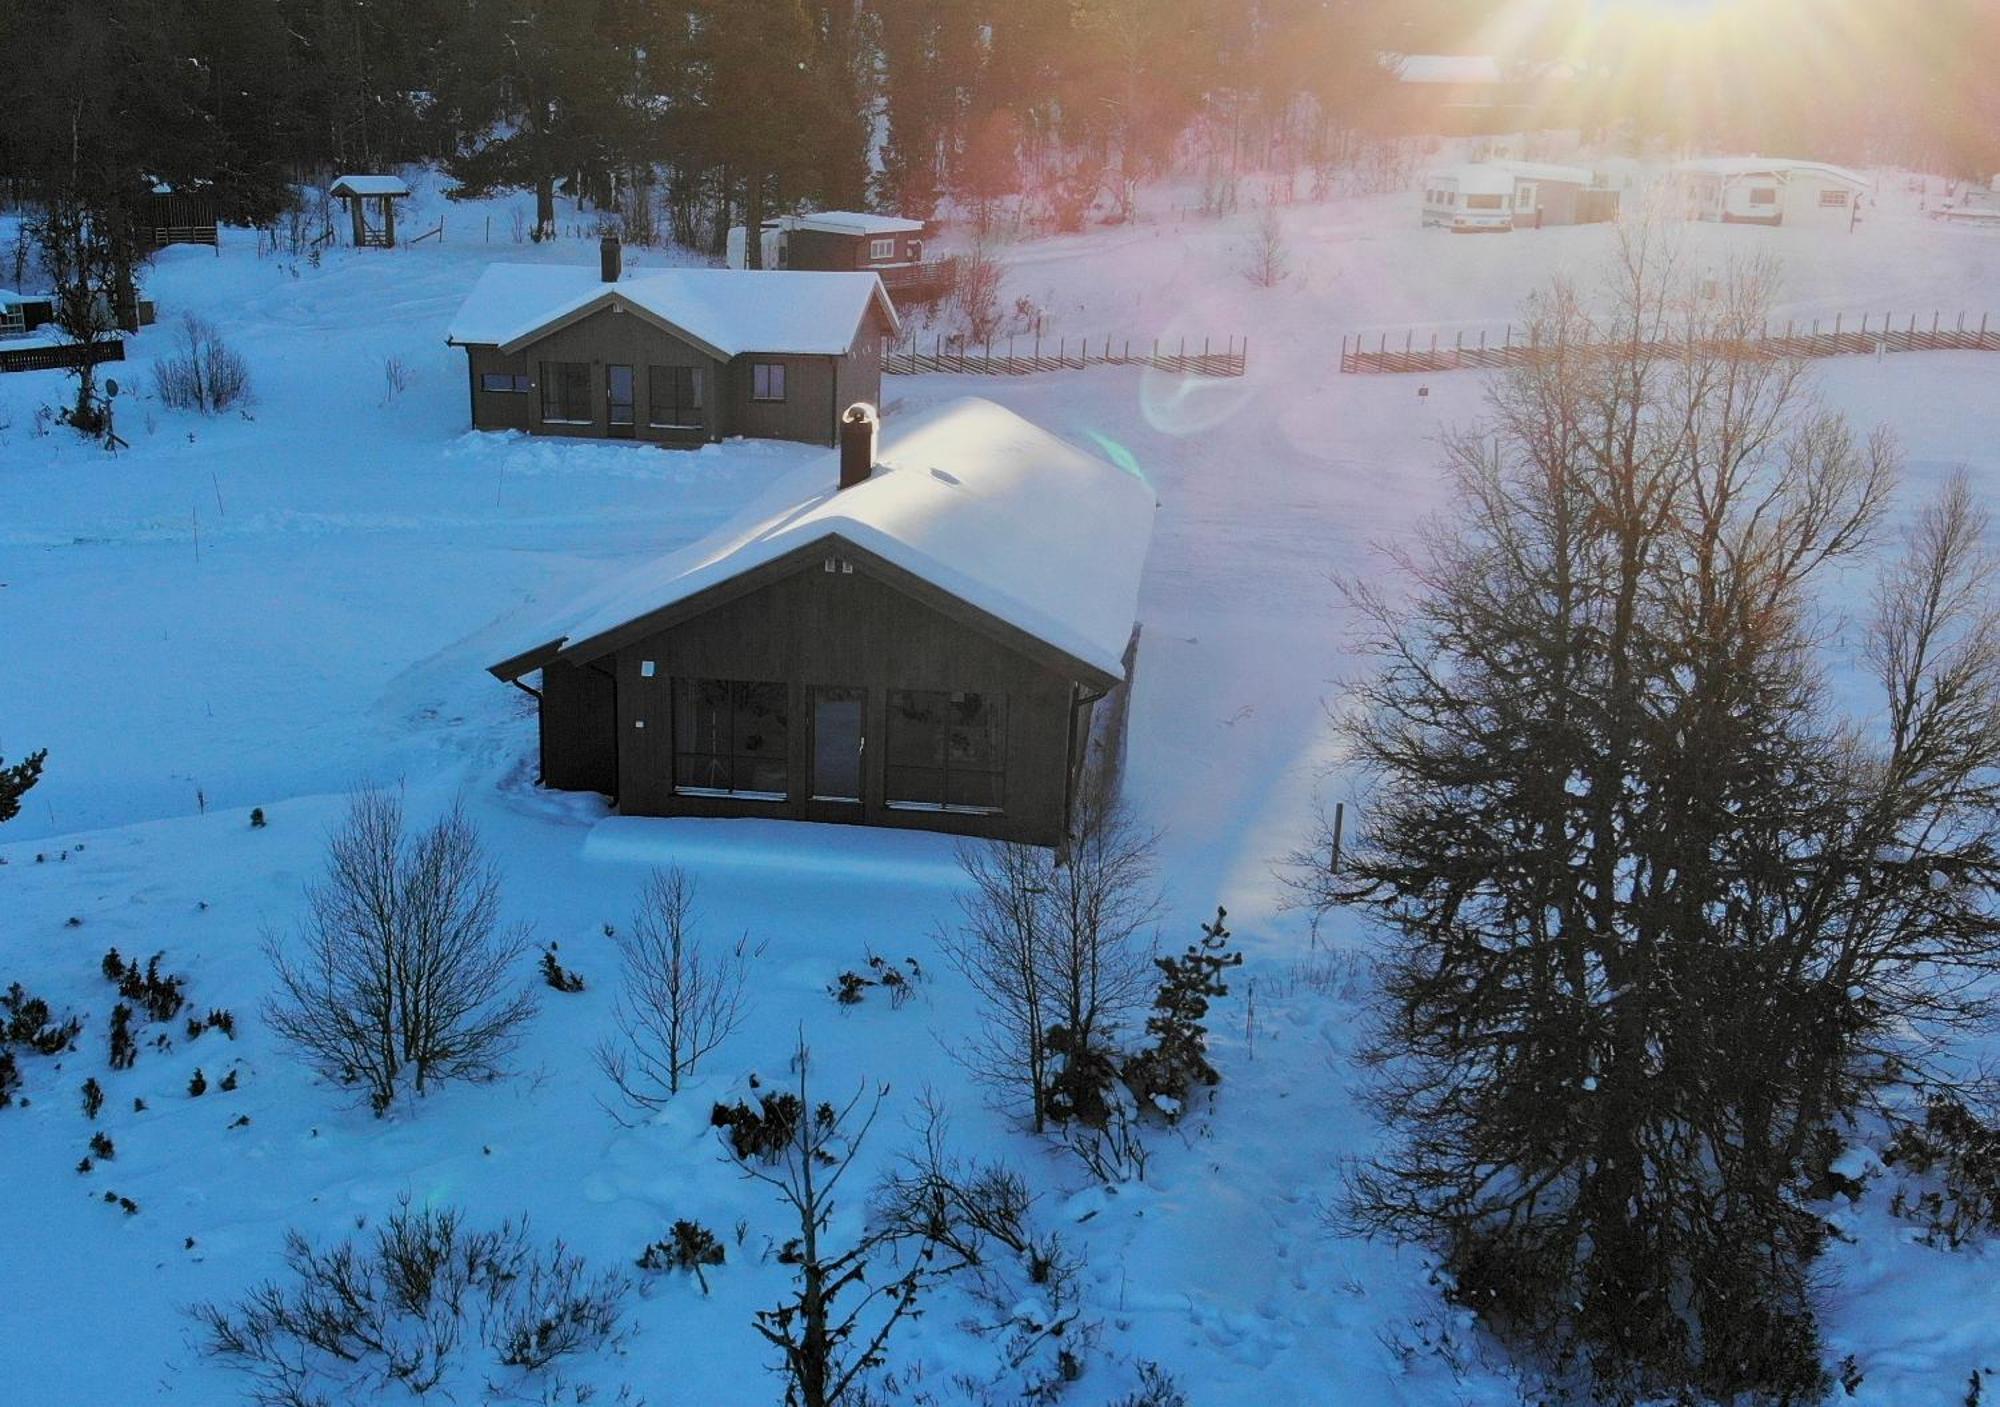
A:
(720, 110)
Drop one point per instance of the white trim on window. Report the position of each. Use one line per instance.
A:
(882, 248)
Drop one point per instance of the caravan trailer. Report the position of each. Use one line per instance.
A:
(1470, 199)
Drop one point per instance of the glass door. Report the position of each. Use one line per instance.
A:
(619, 400)
(837, 743)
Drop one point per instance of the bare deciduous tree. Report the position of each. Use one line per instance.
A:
(402, 970)
(679, 1001)
(1052, 944)
(835, 1327)
(1269, 261)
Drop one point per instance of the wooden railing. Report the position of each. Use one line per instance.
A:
(1027, 356)
(1873, 334)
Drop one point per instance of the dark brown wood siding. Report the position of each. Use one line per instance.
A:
(604, 338)
(806, 413)
(810, 627)
(823, 249)
(579, 728)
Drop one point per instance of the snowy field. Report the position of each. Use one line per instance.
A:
(266, 609)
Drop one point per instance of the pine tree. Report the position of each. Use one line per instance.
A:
(1167, 1072)
(16, 780)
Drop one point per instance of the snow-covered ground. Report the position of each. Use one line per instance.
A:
(268, 608)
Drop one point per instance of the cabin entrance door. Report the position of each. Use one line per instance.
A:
(619, 401)
(838, 741)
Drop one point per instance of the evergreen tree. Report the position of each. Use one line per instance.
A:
(17, 779)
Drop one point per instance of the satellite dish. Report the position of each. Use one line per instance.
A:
(110, 386)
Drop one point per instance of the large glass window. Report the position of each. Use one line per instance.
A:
(767, 381)
(508, 381)
(1763, 195)
(730, 738)
(946, 752)
(674, 396)
(566, 392)
(1486, 202)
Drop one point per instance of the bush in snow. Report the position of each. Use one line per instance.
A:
(341, 1323)
(198, 1085)
(402, 969)
(1963, 1152)
(963, 1207)
(764, 1132)
(159, 995)
(26, 1020)
(257, 821)
(1157, 1388)
(10, 1077)
(124, 1046)
(1167, 1072)
(93, 1097)
(101, 1147)
(555, 975)
(689, 1246)
(1268, 261)
(202, 373)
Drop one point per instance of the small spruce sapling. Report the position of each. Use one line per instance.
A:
(558, 976)
(93, 1097)
(689, 1246)
(228, 1085)
(257, 821)
(198, 1086)
(1167, 1072)
(101, 1147)
(10, 1077)
(124, 1047)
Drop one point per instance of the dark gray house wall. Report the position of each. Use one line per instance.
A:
(817, 388)
(823, 249)
(798, 624)
(578, 727)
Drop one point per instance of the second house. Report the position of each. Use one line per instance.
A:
(676, 357)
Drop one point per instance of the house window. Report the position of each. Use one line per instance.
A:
(881, 249)
(767, 381)
(1524, 197)
(1763, 195)
(730, 739)
(674, 397)
(946, 752)
(504, 381)
(566, 393)
(1836, 199)
(1486, 202)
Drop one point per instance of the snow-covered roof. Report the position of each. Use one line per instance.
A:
(1548, 171)
(369, 185)
(730, 311)
(1479, 179)
(1444, 68)
(1733, 167)
(853, 222)
(969, 497)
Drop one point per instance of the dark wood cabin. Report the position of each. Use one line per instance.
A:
(170, 216)
(677, 358)
(843, 241)
(819, 669)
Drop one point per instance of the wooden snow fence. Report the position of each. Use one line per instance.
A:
(61, 357)
(1025, 356)
(1873, 334)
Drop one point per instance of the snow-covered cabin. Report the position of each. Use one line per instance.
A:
(678, 357)
(1761, 190)
(914, 633)
(1448, 93)
(835, 240)
(13, 314)
(1505, 195)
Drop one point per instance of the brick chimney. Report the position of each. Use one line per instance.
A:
(858, 427)
(611, 256)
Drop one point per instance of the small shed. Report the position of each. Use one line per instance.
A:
(176, 215)
(359, 191)
(916, 633)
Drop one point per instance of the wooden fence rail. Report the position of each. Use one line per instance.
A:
(1025, 356)
(59, 358)
(1874, 334)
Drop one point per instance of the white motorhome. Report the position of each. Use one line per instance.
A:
(1470, 199)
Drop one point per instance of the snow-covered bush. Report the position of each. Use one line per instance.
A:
(159, 995)
(1963, 1152)
(344, 1322)
(93, 1097)
(1157, 1388)
(555, 975)
(10, 1077)
(28, 1022)
(688, 1246)
(763, 1132)
(203, 373)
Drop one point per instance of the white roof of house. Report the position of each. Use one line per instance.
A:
(1548, 171)
(1444, 68)
(1489, 178)
(368, 185)
(969, 497)
(731, 311)
(1730, 167)
(853, 222)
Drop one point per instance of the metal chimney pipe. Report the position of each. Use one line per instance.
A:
(858, 427)
(610, 257)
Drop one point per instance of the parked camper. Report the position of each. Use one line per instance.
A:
(1504, 195)
(1470, 200)
(1759, 190)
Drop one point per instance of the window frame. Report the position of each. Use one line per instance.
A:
(882, 247)
(733, 754)
(761, 374)
(698, 398)
(1487, 203)
(1762, 195)
(554, 384)
(519, 383)
(943, 764)
(1833, 197)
